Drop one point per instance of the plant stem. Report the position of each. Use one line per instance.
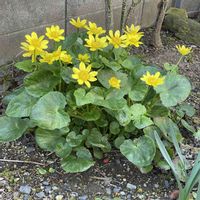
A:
(179, 60)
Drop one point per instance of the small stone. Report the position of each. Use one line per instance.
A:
(26, 197)
(25, 189)
(74, 194)
(166, 184)
(122, 193)
(40, 195)
(108, 191)
(117, 189)
(59, 197)
(30, 149)
(45, 183)
(55, 188)
(131, 186)
(47, 189)
(84, 197)
(156, 185)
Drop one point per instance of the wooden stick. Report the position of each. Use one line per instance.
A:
(22, 161)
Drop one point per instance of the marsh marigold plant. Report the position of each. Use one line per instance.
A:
(87, 94)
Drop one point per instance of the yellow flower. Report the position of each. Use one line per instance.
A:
(34, 45)
(94, 30)
(84, 75)
(95, 43)
(47, 58)
(84, 58)
(133, 30)
(57, 53)
(153, 80)
(116, 40)
(66, 58)
(183, 50)
(133, 39)
(114, 82)
(55, 33)
(78, 23)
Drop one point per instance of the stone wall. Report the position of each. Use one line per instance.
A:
(20, 17)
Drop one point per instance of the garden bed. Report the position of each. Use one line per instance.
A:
(112, 176)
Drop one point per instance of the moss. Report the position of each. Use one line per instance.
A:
(177, 21)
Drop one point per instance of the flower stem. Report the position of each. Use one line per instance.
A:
(179, 60)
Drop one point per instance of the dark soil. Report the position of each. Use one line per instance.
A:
(111, 177)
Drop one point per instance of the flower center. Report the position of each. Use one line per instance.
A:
(83, 75)
(35, 43)
(96, 44)
(116, 40)
(54, 34)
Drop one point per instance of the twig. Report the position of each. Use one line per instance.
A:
(22, 161)
(100, 178)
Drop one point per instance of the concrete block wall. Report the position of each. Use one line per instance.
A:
(20, 17)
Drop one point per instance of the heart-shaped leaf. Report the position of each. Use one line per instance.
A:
(48, 140)
(72, 164)
(63, 150)
(40, 82)
(82, 98)
(140, 151)
(12, 128)
(48, 112)
(21, 105)
(25, 65)
(175, 89)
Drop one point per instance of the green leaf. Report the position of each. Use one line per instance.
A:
(21, 105)
(175, 89)
(143, 122)
(138, 91)
(137, 110)
(72, 164)
(91, 115)
(120, 54)
(131, 62)
(97, 153)
(105, 75)
(84, 153)
(96, 139)
(66, 74)
(118, 141)
(146, 170)
(162, 164)
(168, 127)
(40, 82)
(158, 111)
(123, 116)
(41, 171)
(187, 126)
(25, 65)
(73, 139)
(12, 95)
(12, 128)
(63, 150)
(114, 127)
(140, 151)
(70, 40)
(82, 98)
(48, 112)
(48, 140)
(185, 108)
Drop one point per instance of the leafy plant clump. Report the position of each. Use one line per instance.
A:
(87, 94)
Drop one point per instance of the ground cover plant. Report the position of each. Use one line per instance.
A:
(86, 94)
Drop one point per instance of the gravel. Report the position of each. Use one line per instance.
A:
(25, 189)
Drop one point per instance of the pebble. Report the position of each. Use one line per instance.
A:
(84, 197)
(156, 185)
(26, 197)
(122, 193)
(166, 184)
(74, 194)
(108, 191)
(25, 189)
(40, 195)
(117, 189)
(30, 149)
(131, 186)
(59, 197)
(45, 183)
(47, 189)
